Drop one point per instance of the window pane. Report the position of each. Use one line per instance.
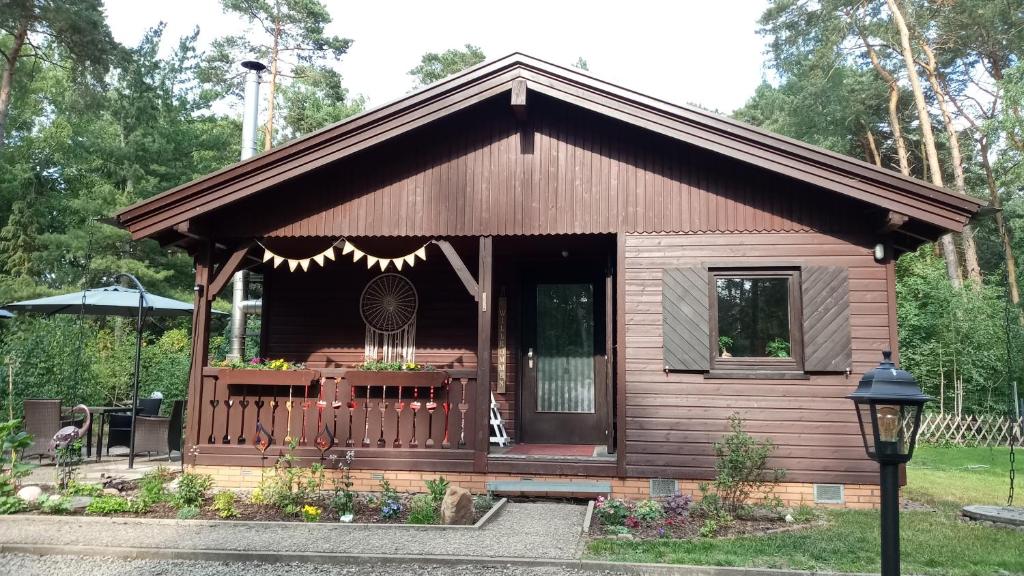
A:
(753, 317)
(565, 348)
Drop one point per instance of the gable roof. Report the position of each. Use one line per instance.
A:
(936, 207)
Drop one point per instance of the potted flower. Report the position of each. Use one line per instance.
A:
(264, 371)
(376, 373)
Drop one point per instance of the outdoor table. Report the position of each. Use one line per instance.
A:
(102, 412)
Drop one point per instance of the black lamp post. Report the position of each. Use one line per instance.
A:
(889, 404)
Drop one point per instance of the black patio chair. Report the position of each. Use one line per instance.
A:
(120, 431)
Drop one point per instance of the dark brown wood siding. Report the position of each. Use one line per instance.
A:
(672, 419)
(564, 170)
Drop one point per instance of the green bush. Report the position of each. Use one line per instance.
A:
(437, 489)
(611, 511)
(106, 505)
(741, 468)
(11, 505)
(192, 489)
(76, 488)
(188, 513)
(423, 510)
(224, 504)
(13, 441)
(54, 504)
(152, 486)
(648, 511)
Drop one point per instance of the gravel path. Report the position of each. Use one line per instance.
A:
(521, 530)
(20, 565)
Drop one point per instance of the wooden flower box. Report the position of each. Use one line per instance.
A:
(229, 376)
(408, 379)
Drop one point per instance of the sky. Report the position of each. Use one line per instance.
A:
(683, 51)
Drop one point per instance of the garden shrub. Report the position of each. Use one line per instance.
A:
(611, 511)
(388, 504)
(678, 505)
(188, 513)
(105, 505)
(54, 504)
(741, 469)
(292, 486)
(648, 511)
(192, 489)
(423, 510)
(13, 441)
(224, 504)
(76, 488)
(152, 486)
(437, 489)
(343, 500)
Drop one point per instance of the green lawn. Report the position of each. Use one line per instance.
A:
(932, 542)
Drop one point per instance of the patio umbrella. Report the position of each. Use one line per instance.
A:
(112, 301)
(4, 314)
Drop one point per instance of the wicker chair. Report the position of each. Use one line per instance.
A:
(120, 431)
(42, 420)
(176, 424)
(151, 434)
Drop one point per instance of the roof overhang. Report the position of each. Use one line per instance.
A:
(935, 210)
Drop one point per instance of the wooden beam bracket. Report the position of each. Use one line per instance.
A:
(894, 221)
(460, 268)
(227, 270)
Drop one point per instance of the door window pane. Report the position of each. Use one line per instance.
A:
(753, 317)
(565, 348)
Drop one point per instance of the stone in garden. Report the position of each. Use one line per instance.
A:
(30, 493)
(80, 502)
(457, 506)
(112, 491)
(790, 519)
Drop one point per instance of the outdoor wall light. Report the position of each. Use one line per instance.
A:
(879, 252)
(889, 403)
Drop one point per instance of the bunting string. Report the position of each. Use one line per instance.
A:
(346, 247)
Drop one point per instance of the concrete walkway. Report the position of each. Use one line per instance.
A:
(521, 530)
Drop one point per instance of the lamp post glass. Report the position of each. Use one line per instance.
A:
(889, 403)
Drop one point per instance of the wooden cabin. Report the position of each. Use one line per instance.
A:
(619, 274)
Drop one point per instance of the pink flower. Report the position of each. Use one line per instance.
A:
(256, 361)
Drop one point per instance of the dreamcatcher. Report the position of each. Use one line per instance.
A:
(388, 307)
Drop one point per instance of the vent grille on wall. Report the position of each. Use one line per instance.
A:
(828, 493)
(661, 487)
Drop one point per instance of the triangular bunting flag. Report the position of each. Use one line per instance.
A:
(357, 254)
(398, 263)
(277, 260)
(370, 261)
(329, 253)
(319, 259)
(410, 259)
(292, 264)
(304, 263)
(267, 255)
(422, 252)
(384, 264)
(347, 248)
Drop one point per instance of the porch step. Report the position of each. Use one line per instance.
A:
(541, 487)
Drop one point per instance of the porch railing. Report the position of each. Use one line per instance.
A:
(326, 411)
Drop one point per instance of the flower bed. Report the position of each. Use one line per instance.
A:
(676, 518)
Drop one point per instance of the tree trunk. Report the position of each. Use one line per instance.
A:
(268, 136)
(7, 81)
(970, 247)
(927, 137)
(1004, 231)
(894, 102)
(873, 154)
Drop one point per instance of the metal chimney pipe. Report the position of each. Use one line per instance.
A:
(239, 281)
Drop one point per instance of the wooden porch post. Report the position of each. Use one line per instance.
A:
(200, 350)
(483, 355)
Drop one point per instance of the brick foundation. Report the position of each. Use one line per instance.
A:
(791, 493)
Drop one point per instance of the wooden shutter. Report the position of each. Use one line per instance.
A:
(684, 308)
(826, 318)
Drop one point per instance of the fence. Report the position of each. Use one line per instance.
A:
(970, 430)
